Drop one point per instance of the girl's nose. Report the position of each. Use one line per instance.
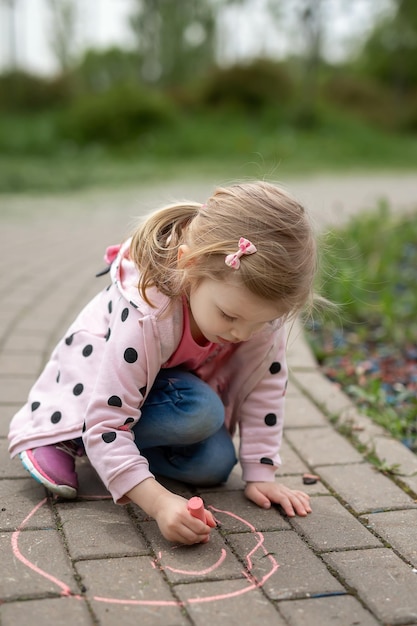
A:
(240, 333)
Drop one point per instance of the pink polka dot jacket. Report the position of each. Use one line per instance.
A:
(97, 379)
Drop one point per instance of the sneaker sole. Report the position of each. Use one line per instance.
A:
(65, 491)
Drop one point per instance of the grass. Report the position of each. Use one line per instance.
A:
(34, 158)
(369, 269)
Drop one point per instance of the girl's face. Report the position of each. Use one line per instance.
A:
(226, 312)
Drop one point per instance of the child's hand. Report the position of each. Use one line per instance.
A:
(177, 524)
(264, 494)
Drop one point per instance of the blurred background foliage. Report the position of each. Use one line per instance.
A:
(167, 99)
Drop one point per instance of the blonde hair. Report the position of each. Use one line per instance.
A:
(281, 271)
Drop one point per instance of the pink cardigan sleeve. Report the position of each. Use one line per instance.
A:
(262, 419)
(114, 407)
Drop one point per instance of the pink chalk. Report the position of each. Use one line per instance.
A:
(196, 508)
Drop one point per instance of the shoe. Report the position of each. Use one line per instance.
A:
(54, 467)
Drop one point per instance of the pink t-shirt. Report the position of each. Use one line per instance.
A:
(190, 354)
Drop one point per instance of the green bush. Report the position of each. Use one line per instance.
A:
(100, 70)
(250, 87)
(24, 92)
(362, 97)
(119, 115)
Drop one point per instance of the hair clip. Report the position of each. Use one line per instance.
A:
(245, 247)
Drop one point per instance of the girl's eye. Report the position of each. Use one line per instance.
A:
(227, 317)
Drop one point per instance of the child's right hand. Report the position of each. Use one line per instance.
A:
(171, 513)
(177, 524)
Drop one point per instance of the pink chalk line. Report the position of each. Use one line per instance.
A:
(254, 583)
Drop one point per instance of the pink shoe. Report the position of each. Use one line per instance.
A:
(54, 467)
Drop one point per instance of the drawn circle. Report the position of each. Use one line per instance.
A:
(254, 583)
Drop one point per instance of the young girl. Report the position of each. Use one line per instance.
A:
(186, 345)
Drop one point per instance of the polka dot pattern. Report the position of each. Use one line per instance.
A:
(78, 389)
(109, 437)
(88, 350)
(266, 461)
(35, 405)
(56, 417)
(69, 340)
(114, 401)
(270, 419)
(130, 355)
(275, 367)
(125, 315)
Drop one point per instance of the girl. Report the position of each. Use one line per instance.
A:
(186, 345)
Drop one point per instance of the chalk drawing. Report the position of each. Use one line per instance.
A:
(249, 580)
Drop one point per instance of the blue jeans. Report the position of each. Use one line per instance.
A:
(181, 431)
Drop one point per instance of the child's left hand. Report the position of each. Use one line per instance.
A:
(264, 494)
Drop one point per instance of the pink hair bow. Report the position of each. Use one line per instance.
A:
(245, 247)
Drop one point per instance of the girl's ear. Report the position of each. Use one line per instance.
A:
(183, 250)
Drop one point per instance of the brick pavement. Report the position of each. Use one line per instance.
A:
(353, 561)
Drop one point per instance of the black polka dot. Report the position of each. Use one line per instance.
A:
(108, 334)
(125, 314)
(110, 306)
(108, 437)
(270, 419)
(275, 367)
(129, 420)
(114, 401)
(135, 306)
(87, 350)
(58, 376)
(56, 417)
(78, 389)
(84, 427)
(130, 355)
(266, 461)
(108, 288)
(69, 340)
(35, 405)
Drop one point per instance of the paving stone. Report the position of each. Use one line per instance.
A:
(27, 342)
(394, 453)
(394, 527)
(18, 363)
(322, 446)
(99, 529)
(191, 563)
(341, 610)
(48, 611)
(237, 602)
(296, 482)
(292, 463)
(129, 591)
(332, 527)
(300, 411)
(46, 568)
(300, 571)
(376, 490)
(6, 413)
(10, 468)
(20, 499)
(241, 515)
(383, 582)
(324, 392)
(15, 389)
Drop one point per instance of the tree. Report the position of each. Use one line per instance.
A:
(63, 31)
(175, 39)
(390, 53)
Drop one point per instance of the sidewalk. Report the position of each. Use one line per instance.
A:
(353, 561)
